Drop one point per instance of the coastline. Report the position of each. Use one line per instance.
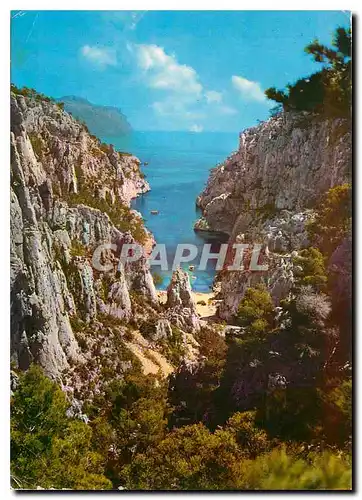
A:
(204, 311)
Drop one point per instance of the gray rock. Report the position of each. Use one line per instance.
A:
(163, 329)
(181, 307)
(261, 194)
(52, 278)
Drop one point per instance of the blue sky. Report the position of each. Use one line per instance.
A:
(174, 70)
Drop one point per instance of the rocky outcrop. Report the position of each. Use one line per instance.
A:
(59, 176)
(265, 191)
(181, 307)
(285, 163)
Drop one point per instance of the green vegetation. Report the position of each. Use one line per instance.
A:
(47, 448)
(31, 93)
(256, 310)
(221, 426)
(327, 92)
(333, 219)
(78, 249)
(193, 458)
(173, 348)
(269, 408)
(148, 329)
(311, 262)
(121, 215)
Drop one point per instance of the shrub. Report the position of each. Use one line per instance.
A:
(78, 249)
(190, 458)
(256, 310)
(121, 215)
(31, 93)
(47, 448)
(148, 328)
(252, 440)
(280, 471)
(313, 270)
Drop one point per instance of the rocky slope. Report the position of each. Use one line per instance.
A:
(266, 190)
(70, 194)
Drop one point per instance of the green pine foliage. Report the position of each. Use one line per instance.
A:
(327, 92)
(47, 448)
(256, 310)
(312, 271)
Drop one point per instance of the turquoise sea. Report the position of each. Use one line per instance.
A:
(177, 169)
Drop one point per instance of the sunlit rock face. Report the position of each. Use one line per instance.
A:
(53, 237)
(266, 190)
(181, 307)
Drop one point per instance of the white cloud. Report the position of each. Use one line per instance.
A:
(182, 101)
(176, 108)
(228, 110)
(248, 89)
(213, 96)
(165, 73)
(100, 56)
(196, 128)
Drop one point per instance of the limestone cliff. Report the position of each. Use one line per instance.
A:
(266, 190)
(61, 178)
(84, 322)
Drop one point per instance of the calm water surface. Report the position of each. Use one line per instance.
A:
(177, 169)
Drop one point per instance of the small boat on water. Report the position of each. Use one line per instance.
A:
(155, 212)
(191, 268)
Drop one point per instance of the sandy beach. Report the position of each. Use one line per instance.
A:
(205, 311)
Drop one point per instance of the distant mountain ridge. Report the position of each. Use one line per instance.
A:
(102, 121)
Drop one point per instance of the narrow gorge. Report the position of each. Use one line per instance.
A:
(118, 385)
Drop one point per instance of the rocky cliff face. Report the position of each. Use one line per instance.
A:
(180, 303)
(75, 309)
(59, 176)
(265, 193)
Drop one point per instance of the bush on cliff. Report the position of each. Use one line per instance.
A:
(255, 311)
(121, 215)
(312, 269)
